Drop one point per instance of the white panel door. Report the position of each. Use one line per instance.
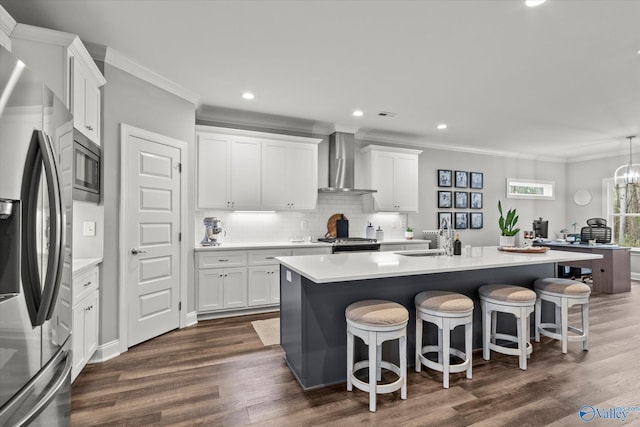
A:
(382, 179)
(152, 227)
(213, 159)
(245, 174)
(407, 183)
(276, 185)
(304, 176)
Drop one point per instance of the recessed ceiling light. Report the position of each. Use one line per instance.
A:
(358, 113)
(441, 126)
(248, 95)
(534, 3)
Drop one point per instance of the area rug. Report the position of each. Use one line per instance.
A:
(268, 330)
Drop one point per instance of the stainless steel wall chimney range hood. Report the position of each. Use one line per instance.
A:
(341, 165)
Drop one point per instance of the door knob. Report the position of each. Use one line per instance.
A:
(136, 251)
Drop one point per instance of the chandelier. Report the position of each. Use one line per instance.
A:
(629, 173)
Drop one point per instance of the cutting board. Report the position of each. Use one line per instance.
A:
(529, 250)
(331, 225)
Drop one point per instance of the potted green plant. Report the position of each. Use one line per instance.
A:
(409, 233)
(507, 226)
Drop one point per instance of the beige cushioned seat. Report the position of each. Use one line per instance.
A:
(444, 301)
(377, 313)
(507, 293)
(562, 286)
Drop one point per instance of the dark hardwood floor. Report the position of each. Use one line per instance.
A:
(218, 373)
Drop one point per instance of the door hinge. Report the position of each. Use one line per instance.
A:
(179, 237)
(179, 167)
(180, 306)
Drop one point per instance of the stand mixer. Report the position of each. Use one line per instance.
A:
(212, 229)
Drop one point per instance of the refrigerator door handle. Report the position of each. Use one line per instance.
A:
(40, 300)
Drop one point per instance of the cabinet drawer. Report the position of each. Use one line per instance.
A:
(84, 283)
(266, 257)
(222, 259)
(312, 251)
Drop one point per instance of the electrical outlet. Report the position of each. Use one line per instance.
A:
(89, 228)
(304, 224)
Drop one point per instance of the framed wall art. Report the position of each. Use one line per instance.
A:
(461, 220)
(476, 200)
(444, 178)
(462, 179)
(444, 200)
(475, 219)
(445, 219)
(461, 200)
(476, 180)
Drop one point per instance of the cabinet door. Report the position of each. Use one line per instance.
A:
(213, 158)
(92, 111)
(235, 287)
(259, 285)
(383, 179)
(274, 283)
(304, 176)
(78, 87)
(79, 359)
(406, 182)
(245, 173)
(276, 185)
(210, 289)
(91, 325)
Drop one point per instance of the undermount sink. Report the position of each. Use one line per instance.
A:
(423, 252)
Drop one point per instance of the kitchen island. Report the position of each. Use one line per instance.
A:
(316, 289)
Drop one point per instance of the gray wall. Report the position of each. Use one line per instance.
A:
(129, 100)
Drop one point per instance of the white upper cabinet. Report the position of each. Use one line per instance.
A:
(289, 175)
(228, 172)
(394, 173)
(66, 66)
(245, 170)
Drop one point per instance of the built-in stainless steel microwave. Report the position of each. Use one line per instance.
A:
(87, 160)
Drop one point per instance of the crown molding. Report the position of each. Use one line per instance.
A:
(116, 59)
(7, 23)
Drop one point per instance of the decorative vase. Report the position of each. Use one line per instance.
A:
(507, 241)
(408, 235)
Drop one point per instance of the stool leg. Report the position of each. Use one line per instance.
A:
(486, 330)
(418, 365)
(403, 365)
(494, 325)
(564, 324)
(585, 326)
(468, 346)
(558, 319)
(378, 363)
(538, 318)
(373, 341)
(349, 360)
(440, 353)
(522, 342)
(443, 349)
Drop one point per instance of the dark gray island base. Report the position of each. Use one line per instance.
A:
(313, 326)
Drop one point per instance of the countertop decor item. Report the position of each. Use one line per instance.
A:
(409, 233)
(507, 226)
(332, 230)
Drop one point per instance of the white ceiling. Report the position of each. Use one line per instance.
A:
(559, 81)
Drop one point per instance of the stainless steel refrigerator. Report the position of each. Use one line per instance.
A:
(36, 140)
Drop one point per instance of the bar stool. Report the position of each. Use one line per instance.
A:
(563, 293)
(376, 321)
(446, 310)
(511, 299)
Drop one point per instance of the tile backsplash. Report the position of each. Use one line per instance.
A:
(243, 227)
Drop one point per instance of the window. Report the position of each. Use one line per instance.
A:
(530, 189)
(622, 210)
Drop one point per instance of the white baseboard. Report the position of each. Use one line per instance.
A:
(635, 276)
(106, 351)
(192, 318)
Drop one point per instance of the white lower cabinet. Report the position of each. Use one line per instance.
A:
(264, 285)
(85, 319)
(222, 288)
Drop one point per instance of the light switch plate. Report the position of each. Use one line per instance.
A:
(89, 228)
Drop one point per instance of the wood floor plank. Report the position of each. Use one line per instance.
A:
(218, 373)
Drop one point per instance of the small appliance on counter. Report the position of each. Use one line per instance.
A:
(212, 230)
(541, 228)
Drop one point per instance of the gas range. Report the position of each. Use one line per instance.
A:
(352, 244)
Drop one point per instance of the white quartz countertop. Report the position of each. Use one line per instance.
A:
(290, 245)
(369, 265)
(80, 264)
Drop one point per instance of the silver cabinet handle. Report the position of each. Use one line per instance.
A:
(223, 260)
(136, 251)
(87, 284)
(269, 257)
